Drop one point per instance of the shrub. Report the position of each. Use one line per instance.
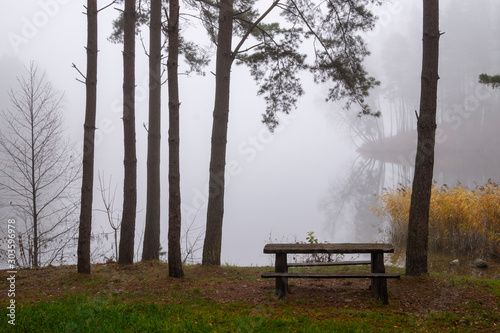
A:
(461, 220)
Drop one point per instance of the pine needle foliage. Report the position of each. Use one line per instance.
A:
(490, 80)
(462, 221)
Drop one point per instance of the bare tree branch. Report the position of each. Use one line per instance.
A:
(112, 3)
(38, 174)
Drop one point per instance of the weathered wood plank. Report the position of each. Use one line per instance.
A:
(329, 248)
(281, 282)
(331, 275)
(331, 263)
(379, 285)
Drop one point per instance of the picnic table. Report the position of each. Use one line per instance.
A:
(377, 274)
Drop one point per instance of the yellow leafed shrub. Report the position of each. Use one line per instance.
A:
(462, 221)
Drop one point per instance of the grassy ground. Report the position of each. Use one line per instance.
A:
(141, 298)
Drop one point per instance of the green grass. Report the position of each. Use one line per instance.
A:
(492, 286)
(78, 314)
(83, 314)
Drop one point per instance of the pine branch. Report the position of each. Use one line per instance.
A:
(490, 80)
(112, 3)
(255, 24)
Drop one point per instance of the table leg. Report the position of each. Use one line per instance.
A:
(281, 282)
(379, 285)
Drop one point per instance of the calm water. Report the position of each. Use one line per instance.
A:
(440, 263)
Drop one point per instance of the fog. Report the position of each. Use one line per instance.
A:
(323, 166)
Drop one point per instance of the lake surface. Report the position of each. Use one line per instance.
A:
(440, 263)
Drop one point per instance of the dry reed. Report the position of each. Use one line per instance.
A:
(462, 221)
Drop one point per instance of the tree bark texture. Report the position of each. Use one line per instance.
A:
(34, 189)
(33, 167)
(83, 252)
(151, 248)
(215, 210)
(174, 205)
(418, 225)
(126, 254)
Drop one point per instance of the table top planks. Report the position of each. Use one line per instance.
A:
(329, 248)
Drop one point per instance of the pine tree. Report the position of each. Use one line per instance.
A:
(85, 228)
(127, 233)
(418, 225)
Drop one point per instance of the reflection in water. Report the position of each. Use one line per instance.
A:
(349, 201)
(347, 205)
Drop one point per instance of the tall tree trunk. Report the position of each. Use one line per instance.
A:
(130, 160)
(34, 200)
(35, 236)
(215, 211)
(151, 248)
(418, 227)
(174, 206)
(88, 141)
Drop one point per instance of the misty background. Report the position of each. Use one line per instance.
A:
(322, 167)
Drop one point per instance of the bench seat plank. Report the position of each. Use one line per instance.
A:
(330, 275)
(331, 263)
(329, 248)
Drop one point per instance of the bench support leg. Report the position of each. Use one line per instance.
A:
(281, 282)
(379, 285)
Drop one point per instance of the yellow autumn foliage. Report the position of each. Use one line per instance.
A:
(462, 221)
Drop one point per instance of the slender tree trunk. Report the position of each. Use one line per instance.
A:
(215, 211)
(174, 206)
(126, 255)
(35, 236)
(34, 200)
(151, 249)
(88, 141)
(418, 228)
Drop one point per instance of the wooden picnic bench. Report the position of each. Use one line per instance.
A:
(377, 274)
